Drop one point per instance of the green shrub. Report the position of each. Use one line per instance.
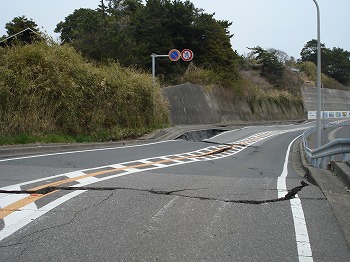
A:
(51, 89)
(211, 78)
(310, 69)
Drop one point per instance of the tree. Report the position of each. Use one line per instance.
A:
(20, 23)
(123, 7)
(130, 31)
(309, 51)
(272, 68)
(160, 26)
(213, 44)
(338, 65)
(82, 29)
(105, 33)
(281, 55)
(334, 62)
(164, 24)
(119, 31)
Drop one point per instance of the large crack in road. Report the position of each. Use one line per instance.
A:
(290, 195)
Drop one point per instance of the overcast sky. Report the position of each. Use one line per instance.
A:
(281, 24)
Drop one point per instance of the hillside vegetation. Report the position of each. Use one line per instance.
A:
(97, 85)
(309, 69)
(248, 83)
(52, 94)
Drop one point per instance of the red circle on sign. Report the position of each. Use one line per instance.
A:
(174, 55)
(187, 55)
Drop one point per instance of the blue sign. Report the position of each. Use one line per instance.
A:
(174, 55)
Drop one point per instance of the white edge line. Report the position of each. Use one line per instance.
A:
(69, 174)
(83, 151)
(247, 127)
(8, 230)
(34, 214)
(301, 233)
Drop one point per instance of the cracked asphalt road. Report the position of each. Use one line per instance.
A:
(208, 210)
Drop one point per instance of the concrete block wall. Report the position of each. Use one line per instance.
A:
(195, 105)
(333, 99)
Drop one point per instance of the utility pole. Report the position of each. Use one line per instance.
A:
(318, 122)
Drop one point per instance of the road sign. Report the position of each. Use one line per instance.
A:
(187, 55)
(174, 55)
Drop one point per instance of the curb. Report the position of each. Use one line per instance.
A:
(342, 170)
(169, 133)
(335, 191)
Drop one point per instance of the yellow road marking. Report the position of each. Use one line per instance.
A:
(34, 197)
(21, 203)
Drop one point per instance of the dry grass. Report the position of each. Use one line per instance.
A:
(52, 89)
(309, 70)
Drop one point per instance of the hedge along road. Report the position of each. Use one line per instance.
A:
(224, 199)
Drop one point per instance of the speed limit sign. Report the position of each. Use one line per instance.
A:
(187, 55)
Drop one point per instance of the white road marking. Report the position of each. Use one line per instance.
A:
(8, 199)
(301, 234)
(88, 180)
(20, 214)
(161, 211)
(83, 151)
(18, 220)
(13, 225)
(74, 174)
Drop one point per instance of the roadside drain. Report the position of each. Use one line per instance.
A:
(290, 195)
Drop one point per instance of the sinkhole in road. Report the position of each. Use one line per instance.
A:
(200, 135)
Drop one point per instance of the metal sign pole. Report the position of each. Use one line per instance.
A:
(174, 55)
(154, 81)
(154, 56)
(154, 69)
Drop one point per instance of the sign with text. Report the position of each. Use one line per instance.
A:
(329, 114)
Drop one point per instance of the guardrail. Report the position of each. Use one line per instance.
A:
(318, 157)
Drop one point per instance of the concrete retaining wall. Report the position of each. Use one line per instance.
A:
(194, 105)
(333, 99)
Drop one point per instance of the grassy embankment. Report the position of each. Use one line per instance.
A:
(247, 85)
(52, 94)
(310, 72)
